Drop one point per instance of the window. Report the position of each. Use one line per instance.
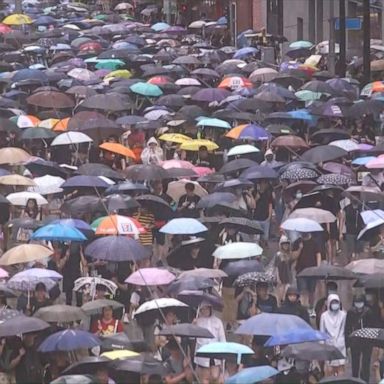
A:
(300, 28)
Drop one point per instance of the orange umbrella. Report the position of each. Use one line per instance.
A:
(62, 125)
(235, 82)
(118, 225)
(118, 148)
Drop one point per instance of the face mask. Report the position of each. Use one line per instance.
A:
(335, 306)
(359, 304)
(299, 195)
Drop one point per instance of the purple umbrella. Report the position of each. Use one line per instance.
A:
(341, 169)
(174, 30)
(84, 182)
(211, 94)
(150, 276)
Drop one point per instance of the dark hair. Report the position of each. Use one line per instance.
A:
(32, 212)
(203, 148)
(40, 287)
(332, 285)
(190, 186)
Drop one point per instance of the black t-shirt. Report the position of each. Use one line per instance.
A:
(307, 257)
(261, 212)
(353, 220)
(189, 210)
(269, 305)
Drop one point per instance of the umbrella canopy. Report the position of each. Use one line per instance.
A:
(12, 155)
(58, 232)
(25, 253)
(241, 250)
(184, 226)
(16, 180)
(27, 280)
(95, 307)
(186, 330)
(301, 225)
(323, 153)
(223, 350)
(156, 304)
(145, 172)
(150, 276)
(195, 145)
(237, 268)
(60, 313)
(312, 351)
(366, 266)
(243, 149)
(83, 181)
(21, 324)
(319, 215)
(69, 340)
(249, 132)
(119, 225)
(297, 337)
(117, 148)
(252, 375)
(68, 138)
(176, 189)
(325, 271)
(21, 198)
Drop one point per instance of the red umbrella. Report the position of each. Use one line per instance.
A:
(159, 80)
(90, 46)
(5, 29)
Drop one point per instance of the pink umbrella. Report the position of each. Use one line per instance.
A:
(177, 164)
(150, 276)
(3, 273)
(102, 72)
(365, 147)
(377, 163)
(203, 171)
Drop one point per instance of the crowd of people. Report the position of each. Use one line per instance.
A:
(174, 211)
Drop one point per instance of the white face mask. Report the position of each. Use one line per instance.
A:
(335, 307)
(359, 304)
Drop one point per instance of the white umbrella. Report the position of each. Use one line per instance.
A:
(372, 215)
(347, 144)
(238, 251)
(263, 74)
(176, 189)
(21, 198)
(68, 138)
(27, 280)
(366, 266)
(107, 180)
(47, 185)
(315, 214)
(242, 150)
(373, 224)
(90, 283)
(164, 302)
(197, 24)
(301, 225)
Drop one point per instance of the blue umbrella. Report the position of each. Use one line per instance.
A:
(183, 226)
(252, 375)
(215, 198)
(69, 340)
(212, 122)
(126, 186)
(244, 52)
(222, 350)
(116, 248)
(296, 337)
(253, 132)
(58, 232)
(30, 74)
(363, 160)
(269, 324)
(158, 27)
(76, 223)
(84, 182)
(302, 114)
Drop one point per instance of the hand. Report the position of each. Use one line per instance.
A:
(22, 352)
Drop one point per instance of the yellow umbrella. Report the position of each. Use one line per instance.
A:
(194, 145)
(17, 19)
(48, 123)
(119, 354)
(13, 155)
(175, 138)
(17, 180)
(25, 253)
(122, 73)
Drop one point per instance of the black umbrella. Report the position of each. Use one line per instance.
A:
(323, 153)
(145, 172)
(342, 380)
(171, 101)
(258, 172)
(117, 249)
(326, 271)
(87, 365)
(209, 201)
(326, 136)
(373, 336)
(160, 208)
(195, 298)
(242, 224)
(212, 178)
(237, 165)
(312, 351)
(186, 330)
(96, 169)
(287, 80)
(83, 205)
(365, 107)
(193, 283)
(319, 86)
(126, 187)
(376, 280)
(7, 125)
(21, 324)
(116, 202)
(144, 364)
(237, 268)
(81, 181)
(41, 167)
(95, 307)
(121, 341)
(113, 102)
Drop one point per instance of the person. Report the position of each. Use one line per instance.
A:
(152, 153)
(283, 267)
(107, 325)
(353, 223)
(187, 206)
(265, 301)
(147, 220)
(170, 319)
(332, 323)
(229, 234)
(178, 366)
(206, 371)
(246, 304)
(359, 316)
(269, 161)
(203, 159)
(264, 207)
(8, 361)
(306, 254)
(58, 363)
(40, 299)
(31, 209)
(321, 304)
(292, 305)
(244, 201)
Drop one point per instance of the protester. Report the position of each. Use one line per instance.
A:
(107, 325)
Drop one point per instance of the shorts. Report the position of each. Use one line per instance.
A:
(306, 284)
(353, 245)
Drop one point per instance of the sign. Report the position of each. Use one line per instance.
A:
(351, 23)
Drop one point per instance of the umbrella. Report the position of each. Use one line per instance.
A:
(16, 180)
(176, 189)
(196, 298)
(373, 336)
(160, 208)
(21, 198)
(96, 169)
(250, 279)
(296, 337)
(27, 280)
(189, 283)
(151, 307)
(17, 19)
(87, 365)
(186, 330)
(144, 365)
(95, 307)
(21, 324)
(323, 153)
(121, 341)
(183, 226)
(209, 95)
(25, 253)
(83, 181)
(195, 145)
(92, 282)
(289, 141)
(223, 350)
(203, 272)
(312, 351)
(239, 250)
(211, 200)
(116, 249)
(249, 132)
(117, 148)
(74, 379)
(325, 271)
(242, 224)
(259, 172)
(213, 122)
(252, 375)
(145, 172)
(58, 232)
(69, 138)
(237, 268)
(366, 266)
(47, 185)
(319, 215)
(51, 99)
(237, 165)
(13, 155)
(298, 173)
(118, 225)
(60, 313)
(82, 204)
(69, 340)
(301, 225)
(150, 276)
(342, 380)
(146, 89)
(239, 150)
(126, 186)
(177, 138)
(346, 144)
(334, 179)
(119, 355)
(375, 280)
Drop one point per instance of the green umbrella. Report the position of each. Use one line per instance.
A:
(146, 89)
(306, 95)
(37, 133)
(111, 64)
(301, 44)
(97, 222)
